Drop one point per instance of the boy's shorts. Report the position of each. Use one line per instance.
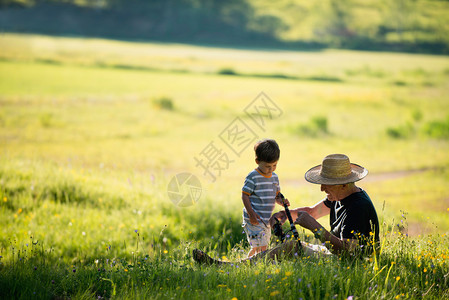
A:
(257, 235)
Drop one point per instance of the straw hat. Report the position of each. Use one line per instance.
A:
(335, 169)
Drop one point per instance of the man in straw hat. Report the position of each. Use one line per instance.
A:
(353, 220)
(354, 227)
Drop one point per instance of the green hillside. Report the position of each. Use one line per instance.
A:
(388, 25)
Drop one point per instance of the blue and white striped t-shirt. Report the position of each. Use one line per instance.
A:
(262, 191)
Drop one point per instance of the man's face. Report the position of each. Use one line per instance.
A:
(332, 191)
(266, 168)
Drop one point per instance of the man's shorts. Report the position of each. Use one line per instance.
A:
(257, 235)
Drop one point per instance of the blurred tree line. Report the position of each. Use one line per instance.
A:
(392, 25)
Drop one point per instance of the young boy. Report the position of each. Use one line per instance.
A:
(259, 195)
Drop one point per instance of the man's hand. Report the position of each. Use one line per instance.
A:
(305, 220)
(281, 216)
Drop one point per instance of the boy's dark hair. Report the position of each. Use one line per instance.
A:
(267, 150)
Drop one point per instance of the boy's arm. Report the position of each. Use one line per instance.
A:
(253, 217)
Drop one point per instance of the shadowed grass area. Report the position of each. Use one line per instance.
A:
(34, 270)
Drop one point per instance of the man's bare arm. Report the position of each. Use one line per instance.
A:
(317, 211)
(333, 243)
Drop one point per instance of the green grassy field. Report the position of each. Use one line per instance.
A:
(92, 131)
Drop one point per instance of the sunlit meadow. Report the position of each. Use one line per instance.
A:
(92, 131)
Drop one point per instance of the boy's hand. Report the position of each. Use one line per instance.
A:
(254, 219)
(281, 201)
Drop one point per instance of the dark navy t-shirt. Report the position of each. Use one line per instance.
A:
(354, 217)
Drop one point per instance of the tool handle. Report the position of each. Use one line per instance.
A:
(289, 216)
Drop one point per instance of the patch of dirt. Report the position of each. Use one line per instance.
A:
(415, 229)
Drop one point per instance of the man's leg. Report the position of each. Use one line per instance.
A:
(288, 249)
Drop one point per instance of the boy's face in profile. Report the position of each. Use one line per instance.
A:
(266, 168)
